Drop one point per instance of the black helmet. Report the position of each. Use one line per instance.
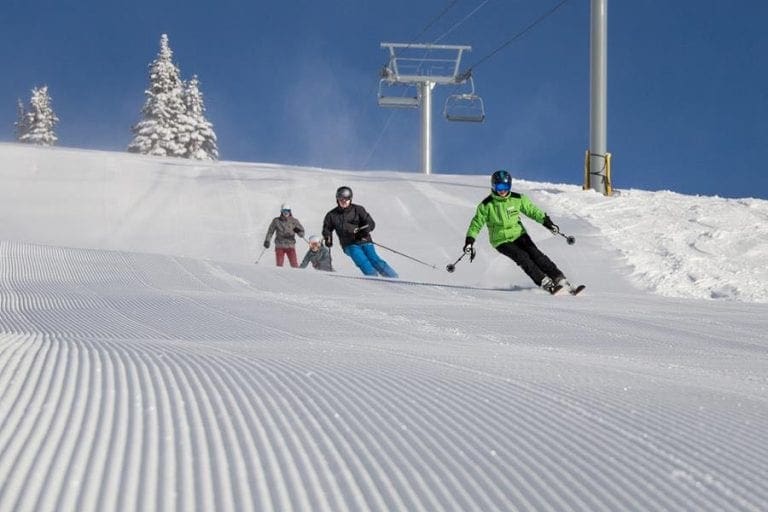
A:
(501, 181)
(343, 193)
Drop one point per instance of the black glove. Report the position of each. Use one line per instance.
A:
(469, 248)
(547, 223)
(298, 231)
(361, 234)
(266, 244)
(329, 241)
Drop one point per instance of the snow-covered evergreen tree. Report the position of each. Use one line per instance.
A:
(198, 135)
(35, 125)
(158, 131)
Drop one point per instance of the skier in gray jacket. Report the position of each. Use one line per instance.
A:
(285, 228)
(317, 254)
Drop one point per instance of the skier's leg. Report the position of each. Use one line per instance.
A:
(291, 252)
(355, 252)
(379, 264)
(539, 258)
(523, 259)
(279, 256)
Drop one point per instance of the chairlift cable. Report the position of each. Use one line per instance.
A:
(514, 38)
(458, 24)
(432, 22)
(429, 25)
(436, 19)
(378, 140)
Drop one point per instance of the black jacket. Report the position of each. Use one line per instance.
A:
(344, 221)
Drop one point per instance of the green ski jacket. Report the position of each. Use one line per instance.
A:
(502, 216)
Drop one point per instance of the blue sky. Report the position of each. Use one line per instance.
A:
(295, 82)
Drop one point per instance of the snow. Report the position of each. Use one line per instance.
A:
(147, 363)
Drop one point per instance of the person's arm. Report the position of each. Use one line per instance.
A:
(366, 219)
(531, 210)
(478, 222)
(365, 224)
(305, 261)
(328, 230)
(298, 228)
(270, 232)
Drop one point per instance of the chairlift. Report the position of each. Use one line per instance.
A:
(465, 107)
(397, 95)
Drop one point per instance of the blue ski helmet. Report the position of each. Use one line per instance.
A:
(501, 181)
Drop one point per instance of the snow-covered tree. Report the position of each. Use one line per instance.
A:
(197, 135)
(158, 131)
(35, 125)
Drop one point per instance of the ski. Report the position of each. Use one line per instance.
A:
(577, 289)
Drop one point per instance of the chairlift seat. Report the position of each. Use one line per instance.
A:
(398, 102)
(397, 95)
(466, 108)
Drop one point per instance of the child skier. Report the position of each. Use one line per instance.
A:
(500, 211)
(317, 254)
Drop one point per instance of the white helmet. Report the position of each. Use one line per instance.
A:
(314, 239)
(285, 207)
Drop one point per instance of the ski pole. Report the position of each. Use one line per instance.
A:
(452, 266)
(405, 255)
(571, 240)
(556, 230)
(260, 255)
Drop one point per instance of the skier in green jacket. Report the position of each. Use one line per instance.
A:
(501, 211)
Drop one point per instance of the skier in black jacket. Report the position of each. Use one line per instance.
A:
(353, 226)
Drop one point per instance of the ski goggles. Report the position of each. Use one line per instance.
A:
(286, 211)
(502, 187)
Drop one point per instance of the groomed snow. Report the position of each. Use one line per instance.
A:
(147, 363)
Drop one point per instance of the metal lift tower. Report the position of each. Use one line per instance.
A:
(597, 164)
(411, 73)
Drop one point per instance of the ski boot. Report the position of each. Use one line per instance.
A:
(549, 285)
(573, 290)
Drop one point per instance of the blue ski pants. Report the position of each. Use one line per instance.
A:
(366, 259)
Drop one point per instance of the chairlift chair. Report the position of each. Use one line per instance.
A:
(408, 96)
(465, 107)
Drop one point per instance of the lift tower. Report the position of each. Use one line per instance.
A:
(597, 164)
(407, 80)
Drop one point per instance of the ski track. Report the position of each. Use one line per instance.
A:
(144, 382)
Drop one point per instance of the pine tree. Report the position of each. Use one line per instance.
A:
(35, 126)
(158, 132)
(198, 136)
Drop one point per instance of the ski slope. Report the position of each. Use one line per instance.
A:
(146, 362)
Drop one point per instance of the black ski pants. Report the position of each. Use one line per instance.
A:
(533, 262)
